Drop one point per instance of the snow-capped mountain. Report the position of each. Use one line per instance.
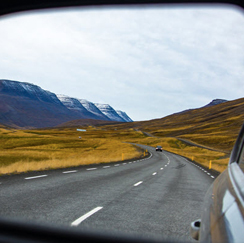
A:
(108, 111)
(28, 105)
(76, 106)
(31, 91)
(93, 109)
(124, 116)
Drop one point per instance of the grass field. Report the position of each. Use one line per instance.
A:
(30, 150)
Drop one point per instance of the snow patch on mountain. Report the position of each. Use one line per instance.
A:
(93, 109)
(108, 111)
(124, 116)
(29, 90)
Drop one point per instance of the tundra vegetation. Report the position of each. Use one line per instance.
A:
(43, 149)
(203, 135)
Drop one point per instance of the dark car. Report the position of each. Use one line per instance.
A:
(223, 209)
(159, 148)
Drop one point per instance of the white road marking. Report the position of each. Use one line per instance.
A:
(161, 168)
(155, 173)
(91, 169)
(165, 165)
(208, 173)
(71, 171)
(138, 183)
(124, 163)
(85, 216)
(212, 176)
(116, 165)
(35, 177)
(106, 166)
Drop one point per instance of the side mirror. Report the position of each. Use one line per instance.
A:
(195, 228)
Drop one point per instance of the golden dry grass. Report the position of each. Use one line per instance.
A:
(56, 148)
(200, 155)
(30, 150)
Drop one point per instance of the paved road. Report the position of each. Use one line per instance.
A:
(159, 195)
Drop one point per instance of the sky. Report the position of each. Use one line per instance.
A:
(149, 62)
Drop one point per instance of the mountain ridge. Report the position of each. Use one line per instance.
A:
(26, 105)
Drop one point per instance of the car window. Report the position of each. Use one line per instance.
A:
(149, 62)
(241, 159)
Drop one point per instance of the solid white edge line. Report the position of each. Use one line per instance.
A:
(71, 171)
(138, 183)
(35, 177)
(85, 216)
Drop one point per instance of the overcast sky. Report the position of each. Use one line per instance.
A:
(147, 62)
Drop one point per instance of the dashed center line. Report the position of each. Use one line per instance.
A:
(138, 183)
(85, 216)
(71, 171)
(155, 173)
(91, 169)
(35, 177)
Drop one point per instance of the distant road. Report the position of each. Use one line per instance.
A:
(159, 195)
(185, 141)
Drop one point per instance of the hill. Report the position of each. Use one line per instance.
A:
(86, 122)
(215, 126)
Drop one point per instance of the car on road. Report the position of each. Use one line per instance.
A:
(222, 217)
(159, 148)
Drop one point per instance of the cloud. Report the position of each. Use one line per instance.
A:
(148, 62)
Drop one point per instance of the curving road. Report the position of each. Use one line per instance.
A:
(157, 196)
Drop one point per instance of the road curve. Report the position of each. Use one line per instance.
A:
(156, 196)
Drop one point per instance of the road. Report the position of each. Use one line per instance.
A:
(156, 196)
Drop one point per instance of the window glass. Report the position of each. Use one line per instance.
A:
(241, 159)
(149, 62)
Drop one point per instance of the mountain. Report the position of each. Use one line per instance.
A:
(93, 109)
(124, 116)
(216, 126)
(215, 102)
(212, 103)
(25, 105)
(108, 111)
(76, 106)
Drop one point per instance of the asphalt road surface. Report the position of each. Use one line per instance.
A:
(156, 196)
